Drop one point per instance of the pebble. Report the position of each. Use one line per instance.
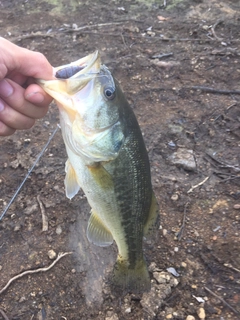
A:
(52, 254)
(17, 227)
(169, 316)
(236, 206)
(58, 230)
(184, 265)
(161, 277)
(112, 317)
(174, 197)
(184, 158)
(190, 317)
(164, 232)
(128, 310)
(201, 313)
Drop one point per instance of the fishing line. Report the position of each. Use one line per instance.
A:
(29, 172)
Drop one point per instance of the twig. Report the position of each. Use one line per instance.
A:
(213, 30)
(44, 216)
(230, 178)
(197, 185)
(212, 90)
(123, 40)
(4, 314)
(161, 55)
(224, 113)
(228, 265)
(180, 232)
(223, 164)
(60, 255)
(222, 300)
(32, 35)
(29, 172)
(92, 26)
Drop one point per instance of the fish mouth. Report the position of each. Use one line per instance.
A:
(73, 70)
(71, 78)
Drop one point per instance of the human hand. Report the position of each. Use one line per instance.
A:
(21, 100)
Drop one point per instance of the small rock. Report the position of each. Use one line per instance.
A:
(112, 317)
(151, 301)
(128, 310)
(152, 267)
(52, 254)
(58, 230)
(173, 282)
(236, 206)
(184, 265)
(169, 316)
(164, 232)
(17, 227)
(184, 158)
(174, 197)
(190, 317)
(31, 209)
(22, 299)
(201, 313)
(161, 277)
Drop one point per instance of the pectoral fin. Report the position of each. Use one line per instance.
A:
(70, 182)
(153, 217)
(97, 233)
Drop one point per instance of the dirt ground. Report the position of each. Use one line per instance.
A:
(161, 56)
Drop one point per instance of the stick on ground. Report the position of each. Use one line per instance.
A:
(61, 255)
(222, 300)
(44, 216)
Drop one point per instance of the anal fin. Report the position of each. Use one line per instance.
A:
(70, 182)
(97, 233)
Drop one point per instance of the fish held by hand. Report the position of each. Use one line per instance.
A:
(107, 158)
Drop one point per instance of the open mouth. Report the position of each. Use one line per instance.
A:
(68, 72)
(88, 64)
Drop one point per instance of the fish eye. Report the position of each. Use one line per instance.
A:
(109, 93)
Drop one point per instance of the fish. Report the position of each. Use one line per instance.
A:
(108, 160)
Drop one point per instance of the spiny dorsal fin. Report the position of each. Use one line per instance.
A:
(153, 217)
(97, 233)
(71, 184)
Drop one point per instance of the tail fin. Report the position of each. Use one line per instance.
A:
(135, 280)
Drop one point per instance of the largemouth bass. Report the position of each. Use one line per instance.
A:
(107, 158)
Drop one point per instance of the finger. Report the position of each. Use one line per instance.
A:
(36, 95)
(5, 130)
(17, 77)
(13, 95)
(13, 118)
(26, 62)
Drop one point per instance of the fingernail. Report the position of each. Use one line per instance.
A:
(5, 89)
(1, 106)
(35, 97)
